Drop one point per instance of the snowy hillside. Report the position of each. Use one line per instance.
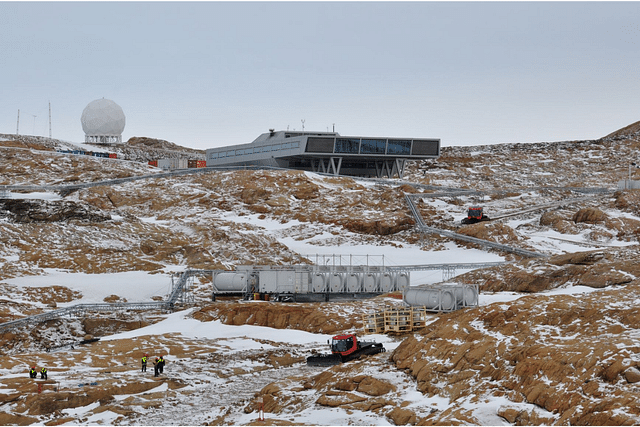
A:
(553, 341)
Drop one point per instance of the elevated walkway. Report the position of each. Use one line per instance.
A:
(178, 295)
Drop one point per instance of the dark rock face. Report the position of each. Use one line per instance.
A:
(26, 211)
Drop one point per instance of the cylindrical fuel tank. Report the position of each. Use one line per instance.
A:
(432, 299)
(402, 281)
(370, 282)
(336, 282)
(470, 297)
(319, 282)
(387, 282)
(354, 282)
(466, 296)
(230, 282)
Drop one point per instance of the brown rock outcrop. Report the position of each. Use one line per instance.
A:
(589, 215)
(26, 211)
(558, 369)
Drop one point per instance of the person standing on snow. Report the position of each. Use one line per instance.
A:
(155, 367)
(43, 373)
(144, 363)
(161, 364)
(33, 373)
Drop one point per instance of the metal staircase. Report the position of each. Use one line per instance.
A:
(81, 309)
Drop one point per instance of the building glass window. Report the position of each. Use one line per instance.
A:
(347, 145)
(373, 146)
(399, 146)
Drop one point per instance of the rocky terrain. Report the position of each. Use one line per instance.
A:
(562, 349)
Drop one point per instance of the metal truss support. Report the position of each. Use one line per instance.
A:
(390, 168)
(448, 272)
(330, 166)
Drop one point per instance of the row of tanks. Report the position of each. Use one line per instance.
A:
(383, 282)
(324, 283)
(300, 280)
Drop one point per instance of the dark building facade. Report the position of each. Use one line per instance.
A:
(327, 152)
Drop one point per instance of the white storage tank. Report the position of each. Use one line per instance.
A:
(469, 296)
(387, 282)
(230, 282)
(319, 282)
(370, 282)
(432, 299)
(336, 282)
(403, 281)
(354, 282)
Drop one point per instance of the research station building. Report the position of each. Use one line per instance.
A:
(327, 152)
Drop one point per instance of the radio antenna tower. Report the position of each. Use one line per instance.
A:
(49, 119)
(302, 120)
(18, 124)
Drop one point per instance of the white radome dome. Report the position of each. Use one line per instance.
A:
(102, 117)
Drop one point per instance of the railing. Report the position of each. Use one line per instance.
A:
(483, 243)
(75, 310)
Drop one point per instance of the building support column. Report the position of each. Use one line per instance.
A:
(332, 165)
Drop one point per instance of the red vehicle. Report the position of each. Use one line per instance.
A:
(474, 215)
(344, 348)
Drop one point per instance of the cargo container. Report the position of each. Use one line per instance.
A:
(192, 164)
(113, 156)
(201, 163)
(165, 163)
(153, 163)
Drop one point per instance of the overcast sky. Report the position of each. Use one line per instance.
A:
(207, 74)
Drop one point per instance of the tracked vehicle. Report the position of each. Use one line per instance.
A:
(345, 348)
(475, 214)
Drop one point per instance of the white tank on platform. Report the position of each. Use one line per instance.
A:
(431, 298)
(230, 282)
(336, 282)
(354, 282)
(403, 281)
(466, 296)
(370, 282)
(387, 282)
(319, 282)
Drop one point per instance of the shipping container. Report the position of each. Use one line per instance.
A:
(113, 156)
(192, 164)
(165, 163)
(201, 163)
(153, 163)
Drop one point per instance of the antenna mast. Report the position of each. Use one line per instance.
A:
(49, 119)
(302, 120)
(18, 124)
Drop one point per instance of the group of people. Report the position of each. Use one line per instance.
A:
(33, 373)
(158, 364)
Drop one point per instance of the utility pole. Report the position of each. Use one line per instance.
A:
(49, 119)
(302, 120)
(18, 124)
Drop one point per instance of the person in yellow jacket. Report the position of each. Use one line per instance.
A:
(161, 364)
(33, 373)
(144, 363)
(43, 373)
